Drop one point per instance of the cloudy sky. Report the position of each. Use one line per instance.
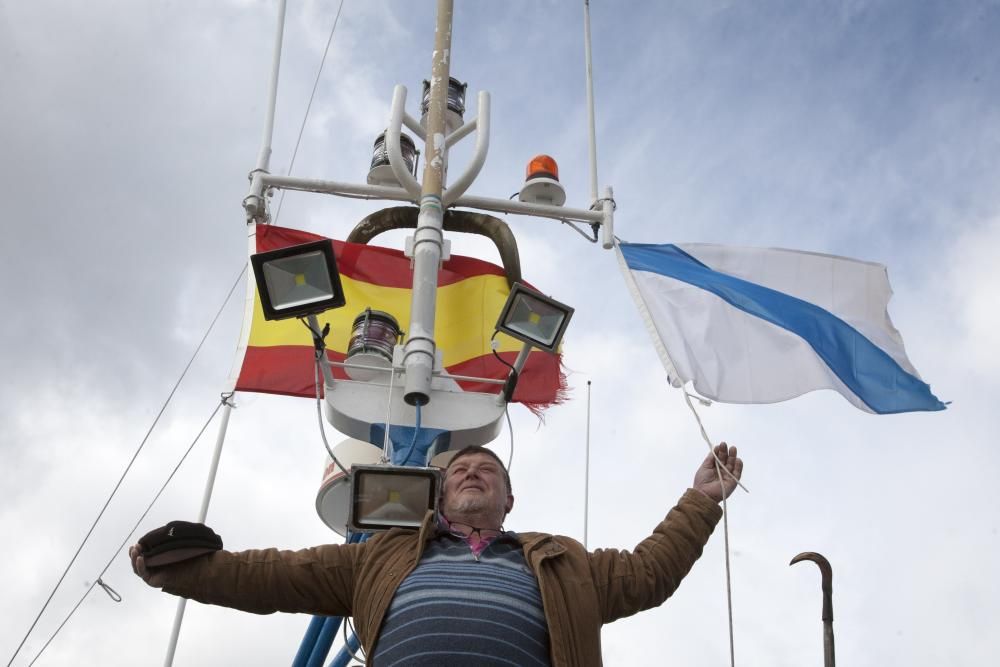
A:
(865, 129)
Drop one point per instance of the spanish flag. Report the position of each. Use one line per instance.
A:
(471, 294)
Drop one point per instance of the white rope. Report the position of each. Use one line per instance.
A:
(725, 524)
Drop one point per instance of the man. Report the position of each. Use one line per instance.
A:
(461, 591)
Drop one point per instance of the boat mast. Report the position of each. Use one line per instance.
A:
(428, 239)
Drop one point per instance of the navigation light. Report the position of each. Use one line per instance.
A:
(541, 183)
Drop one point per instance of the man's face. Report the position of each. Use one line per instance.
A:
(474, 484)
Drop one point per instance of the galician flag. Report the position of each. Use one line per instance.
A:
(761, 325)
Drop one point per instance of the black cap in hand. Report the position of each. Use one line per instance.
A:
(177, 541)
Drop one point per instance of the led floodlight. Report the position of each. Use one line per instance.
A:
(534, 318)
(298, 280)
(384, 496)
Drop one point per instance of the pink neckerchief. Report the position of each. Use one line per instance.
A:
(477, 543)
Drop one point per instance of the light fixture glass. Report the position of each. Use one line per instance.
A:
(380, 172)
(386, 496)
(298, 280)
(534, 318)
(455, 111)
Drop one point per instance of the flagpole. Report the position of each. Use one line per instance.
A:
(586, 478)
(254, 201)
(202, 515)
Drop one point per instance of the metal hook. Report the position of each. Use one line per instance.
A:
(827, 573)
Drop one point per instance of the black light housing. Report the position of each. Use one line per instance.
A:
(385, 496)
(534, 318)
(456, 97)
(298, 280)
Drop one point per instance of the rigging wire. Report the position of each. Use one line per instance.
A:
(128, 467)
(305, 117)
(225, 400)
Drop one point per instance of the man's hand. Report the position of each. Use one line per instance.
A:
(706, 479)
(139, 567)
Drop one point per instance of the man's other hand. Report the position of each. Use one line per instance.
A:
(154, 579)
(706, 479)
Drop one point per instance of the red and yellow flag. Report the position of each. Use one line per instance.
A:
(471, 294)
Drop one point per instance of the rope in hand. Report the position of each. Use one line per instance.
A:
(719, 468)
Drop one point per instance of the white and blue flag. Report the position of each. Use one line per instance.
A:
(761, 325)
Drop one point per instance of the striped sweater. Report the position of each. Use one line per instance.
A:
(457, 608)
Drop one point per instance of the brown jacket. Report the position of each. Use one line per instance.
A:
(580, 590)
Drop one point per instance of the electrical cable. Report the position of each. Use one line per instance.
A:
(128, 467)
(511, 383)
(580, 231)
(224, 401)
(319, 416)
(305, 117)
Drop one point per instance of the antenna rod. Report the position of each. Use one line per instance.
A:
(590, 102)
(254, 201)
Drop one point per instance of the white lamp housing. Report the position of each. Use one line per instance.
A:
(541, 183)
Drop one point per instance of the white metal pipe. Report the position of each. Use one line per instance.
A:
(202, 515)
(419, 350)
(608, 219)
(360, 190)
(461, 133)
(590, 101)
(523, 208)
(392, 147)
(253, 203)
(414, 126)
(399, 194)
(522, 358)
(458, 188)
